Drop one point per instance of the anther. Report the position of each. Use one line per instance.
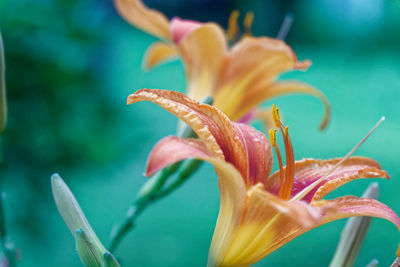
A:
(272, 136)
(307, 190)
(233, 29)
(287, 131)
(248, 21)
(275, 115)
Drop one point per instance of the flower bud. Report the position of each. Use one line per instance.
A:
(109, 260)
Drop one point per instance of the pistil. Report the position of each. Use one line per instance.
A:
(308, 189)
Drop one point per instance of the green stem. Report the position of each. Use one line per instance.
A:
(153, 189)
(188, 168)
(149, 193)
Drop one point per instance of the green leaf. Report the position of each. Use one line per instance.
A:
(89, 247)
(87, 251)
(109, 260)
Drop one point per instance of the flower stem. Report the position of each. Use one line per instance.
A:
(188, 167)
(150, 192)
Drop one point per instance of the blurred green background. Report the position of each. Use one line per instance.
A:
(71, 65)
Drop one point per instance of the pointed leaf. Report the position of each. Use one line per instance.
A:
(109, 260)
(87, 251)
(71, 212)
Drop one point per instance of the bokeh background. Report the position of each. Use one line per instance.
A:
(71, 65)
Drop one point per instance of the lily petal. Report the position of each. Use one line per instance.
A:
(309, 170)
(231, 185)
(172, 149)
(258, 151)
(211, 125)
(257, 95)
(335, 209)
(158, 53)
(251, 63)
(267, 222)
(140, 16)
(350, 206)
(180, 28)
(202, 51)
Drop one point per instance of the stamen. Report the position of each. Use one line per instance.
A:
(285, 27)
(248, 21)
(308, 189)
(233, 27)
(289, 173)
(275, 115)
(272, 137)
(287, 185)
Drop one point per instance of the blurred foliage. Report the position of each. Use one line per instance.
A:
(53, 73)
(60, 115)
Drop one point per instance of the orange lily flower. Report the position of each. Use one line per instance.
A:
(239, 78)
(259, 212)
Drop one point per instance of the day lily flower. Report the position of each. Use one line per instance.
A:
(259, 212)
(239, 78)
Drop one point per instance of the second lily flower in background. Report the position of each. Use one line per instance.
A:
(239, 78)
(259, 212)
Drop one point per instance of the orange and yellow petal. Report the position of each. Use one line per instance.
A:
(144, 18)
(158, 53)
(252, 63)
(202, 52)
(211, 125)
(232, 208)
(350, 206)
(265, 226)
(308, 171)
(257, 95)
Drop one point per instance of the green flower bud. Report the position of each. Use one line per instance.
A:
(91, 251)
(109, 260)
(87, 251)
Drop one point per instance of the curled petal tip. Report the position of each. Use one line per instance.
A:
(302, 65)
